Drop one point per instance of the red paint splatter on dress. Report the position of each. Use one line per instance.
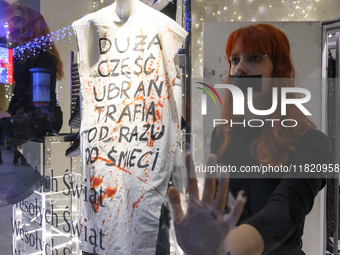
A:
(150, 185)
(110, 192)
(136, 204)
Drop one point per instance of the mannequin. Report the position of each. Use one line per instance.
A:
(131, 96)
(122, 11)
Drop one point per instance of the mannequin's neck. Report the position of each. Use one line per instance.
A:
(124, 9)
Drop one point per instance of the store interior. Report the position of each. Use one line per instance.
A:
(200, 17)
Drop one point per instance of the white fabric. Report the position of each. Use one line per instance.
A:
(120, 113)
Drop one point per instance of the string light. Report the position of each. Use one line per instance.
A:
(43, 43)
(288, 10)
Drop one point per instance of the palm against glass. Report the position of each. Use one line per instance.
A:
(204, 228)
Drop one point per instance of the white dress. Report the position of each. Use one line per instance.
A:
(129, 127)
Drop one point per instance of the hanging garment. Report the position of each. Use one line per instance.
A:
(129, 127)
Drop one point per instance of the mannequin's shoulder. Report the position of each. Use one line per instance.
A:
(97, 17)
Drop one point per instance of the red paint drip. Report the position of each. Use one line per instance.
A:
(173, 81)
(136, 204)
(150, 185)
(105, 160)
(109, 162)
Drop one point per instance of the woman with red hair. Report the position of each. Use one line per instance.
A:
(273, 217)
(33, 46)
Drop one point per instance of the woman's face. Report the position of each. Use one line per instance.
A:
(252, 64)
(16, 22)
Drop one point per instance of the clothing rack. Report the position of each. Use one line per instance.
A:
(75, 82)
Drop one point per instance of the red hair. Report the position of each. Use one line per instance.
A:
(35, 28)
(275, 144)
